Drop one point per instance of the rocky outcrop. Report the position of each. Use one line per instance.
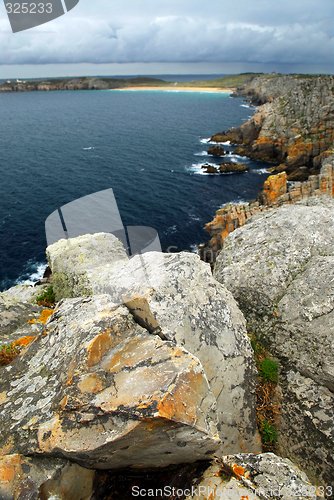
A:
(216, 150)
(19, 313)
(95, 391)
(225, 168)
(98, 389)
(278, 267)
(80, 265)
(86, 83)
(295, 126)
(244, 476)
(175, 297)
(276, 192)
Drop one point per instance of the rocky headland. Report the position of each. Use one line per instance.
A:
(144, 374)
(293, 126)
(143, 366)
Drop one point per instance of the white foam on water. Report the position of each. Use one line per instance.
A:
(202, 153)
(207, 141)
(196, 168)
(87, 149)
(232, 156)
(194, 249)
(35, 276)
(235, 202)
(260, 171)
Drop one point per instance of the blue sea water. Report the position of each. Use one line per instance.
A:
(148, 146)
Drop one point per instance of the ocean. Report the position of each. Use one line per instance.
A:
(148, 146)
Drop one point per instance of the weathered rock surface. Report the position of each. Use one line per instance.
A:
(236, 477)
(98, 389)
(276, 192)
(294, 125)
(17, 311)
(216, 150)
(279, 268)
(271, 477)
(229, 166)
(225, 168)
(80, 264)
(28, 478)
(175, 296)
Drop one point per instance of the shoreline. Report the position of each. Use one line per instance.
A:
(178, 89)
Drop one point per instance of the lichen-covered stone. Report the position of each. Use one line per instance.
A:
(187, 306)
(97, 388)
(279, 267)
(269, 477)
(78, 263)
(19, 313)
(30, 478)
(261, 259)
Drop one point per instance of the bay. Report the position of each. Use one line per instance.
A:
(148, 146)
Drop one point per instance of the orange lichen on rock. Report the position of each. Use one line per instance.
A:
(238, 470)
(90, 383)
(10, 470)
(99, 347)
(181, 404)
(274, 187)
(23, 340)
(45, 314)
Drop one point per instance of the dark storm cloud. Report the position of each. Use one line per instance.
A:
(173, 31)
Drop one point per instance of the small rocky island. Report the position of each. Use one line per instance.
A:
(152, 372)
(227, 167)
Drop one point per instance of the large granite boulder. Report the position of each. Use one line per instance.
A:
(80, 264)
(98, 389)
(279, 267)
(176, 297)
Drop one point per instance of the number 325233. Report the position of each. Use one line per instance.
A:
(29, 8)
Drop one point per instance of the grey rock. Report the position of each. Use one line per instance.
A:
(17, 308)
(175, 295)
(261, 259)
(98, 389)
(28, 478)
(306, 426)
(271, 477)
(80, 263)
(279, 267)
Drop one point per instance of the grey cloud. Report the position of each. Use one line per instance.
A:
(171, 31)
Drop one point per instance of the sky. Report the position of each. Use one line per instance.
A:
(130, 37)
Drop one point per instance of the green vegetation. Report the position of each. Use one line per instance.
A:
(47, 298)
(8, 353)
(268, 433)
(225, 82)
(268, 370)
(266, 407)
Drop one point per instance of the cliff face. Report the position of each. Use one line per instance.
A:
(294, 126)
(276, 192)
(279, 268)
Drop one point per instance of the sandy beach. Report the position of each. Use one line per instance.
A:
(175, 88)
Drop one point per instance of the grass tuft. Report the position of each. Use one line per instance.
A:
(47, 298)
